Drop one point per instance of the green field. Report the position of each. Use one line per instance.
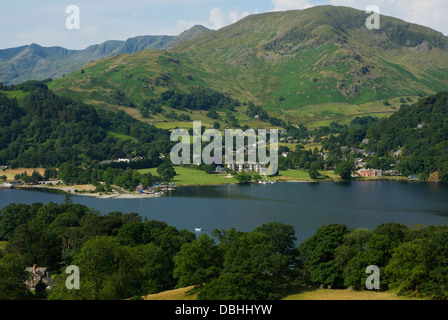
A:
(121, 136)
(194, 177)
(302, 175)
(293, 175)
(320, 115)
(18, 94)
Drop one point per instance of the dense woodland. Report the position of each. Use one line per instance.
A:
(51, 131)
(125, 256)
(419, 131)
(48, 130)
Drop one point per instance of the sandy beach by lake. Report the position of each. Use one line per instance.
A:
(86, 190)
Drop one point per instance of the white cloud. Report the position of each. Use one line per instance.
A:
(216, 20)
(283, 5)
(431, 13)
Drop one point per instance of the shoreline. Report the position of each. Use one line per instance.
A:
(115, 194)
(122, 194)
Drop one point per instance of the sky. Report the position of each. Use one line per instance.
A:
(44, 22)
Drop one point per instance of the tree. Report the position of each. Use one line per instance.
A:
(238, 286)
(109, 272)
(243, 178)
(443, 174)
(166, 171)
(354, 242)
(282, 236)
(68, 197)
(197, 262)
(12, 278)
(318, 254)
(100, 188)
(313, 172)
(130, 234)
(396, 232)
(408, 268)
(421, 265)
(95, 225)
(155, 268)
(378, 252)
(344, 170)
(41, 290)
(35, 245)
(168, 238)
(250, 270)
(212, 114)
(14, 215)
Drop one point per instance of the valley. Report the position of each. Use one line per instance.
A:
(90, 179)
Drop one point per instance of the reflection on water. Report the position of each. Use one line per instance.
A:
(306, 206)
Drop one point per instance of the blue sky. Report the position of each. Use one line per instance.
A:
(43, 21)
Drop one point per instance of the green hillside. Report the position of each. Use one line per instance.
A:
(282, 61)
(41, 129)
(34, 62)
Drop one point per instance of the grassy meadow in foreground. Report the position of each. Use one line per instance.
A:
(306, 295)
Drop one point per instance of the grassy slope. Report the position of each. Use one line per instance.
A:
(323, 56)
(18, 94)
(318, 294)
(177, 294)
(331, 294)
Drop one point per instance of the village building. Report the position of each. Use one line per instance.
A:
(246, 167)
(370, 173)
(359, 163)
(392, 173)
(397, 153)
(38, 274)
(220, 169)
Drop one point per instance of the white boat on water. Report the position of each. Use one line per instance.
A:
(198, 229)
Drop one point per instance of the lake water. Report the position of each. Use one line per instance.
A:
(305, 206)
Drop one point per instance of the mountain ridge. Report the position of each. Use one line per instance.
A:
(35, 62)
(296, 58)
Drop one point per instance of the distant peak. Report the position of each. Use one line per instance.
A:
(199, 26)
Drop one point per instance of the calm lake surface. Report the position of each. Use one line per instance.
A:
(305, 206)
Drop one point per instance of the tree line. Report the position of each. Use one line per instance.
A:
(47, 130)
(419, 132)
(126, 256)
